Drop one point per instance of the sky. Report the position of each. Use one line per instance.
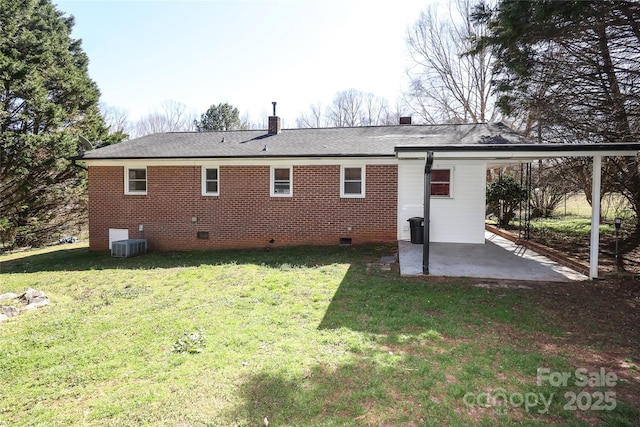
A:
(247, 53)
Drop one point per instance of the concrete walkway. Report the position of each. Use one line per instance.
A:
(498, 258)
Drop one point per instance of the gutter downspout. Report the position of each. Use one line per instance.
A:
(427, 212)
(74, 164)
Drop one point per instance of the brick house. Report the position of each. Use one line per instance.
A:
(256, 188)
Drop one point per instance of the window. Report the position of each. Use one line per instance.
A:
(441, 182)
(210, 182)
(352, 181)
(281, 182)
(135, 181)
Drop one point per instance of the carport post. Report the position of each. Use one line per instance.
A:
(595, 216)
(427, 212)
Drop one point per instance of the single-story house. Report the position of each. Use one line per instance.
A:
(256, 188)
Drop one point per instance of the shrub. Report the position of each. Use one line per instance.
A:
(503, 198)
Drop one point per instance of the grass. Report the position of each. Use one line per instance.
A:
(611, 206)
(302, 336)
(571, 220)
(569, 226)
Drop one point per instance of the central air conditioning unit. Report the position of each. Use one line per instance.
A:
(128, 248)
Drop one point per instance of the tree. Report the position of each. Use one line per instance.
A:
(547, 191)
(172, 117)
(47, 100)
(219, 117)
(447, 85)
(350, 108)
(345, 110)
(574, 67)
(115, 118)
(504, 196)
(312, 120)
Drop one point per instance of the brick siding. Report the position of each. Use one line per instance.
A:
(244, 214)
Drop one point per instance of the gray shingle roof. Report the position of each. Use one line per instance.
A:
(325, 142)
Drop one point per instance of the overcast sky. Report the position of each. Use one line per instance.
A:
(246, 53)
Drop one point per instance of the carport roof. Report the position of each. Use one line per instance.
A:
(519, 151)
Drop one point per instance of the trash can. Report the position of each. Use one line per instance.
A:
(416, 224)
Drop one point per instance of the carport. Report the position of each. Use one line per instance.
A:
(500, 154)
(497, 258)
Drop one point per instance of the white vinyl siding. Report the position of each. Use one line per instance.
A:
(458, 218)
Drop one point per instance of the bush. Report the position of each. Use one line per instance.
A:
(504, 197)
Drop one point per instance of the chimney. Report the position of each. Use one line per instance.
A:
(405, 120)
(274, 122)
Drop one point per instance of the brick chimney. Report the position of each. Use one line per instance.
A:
(405, 120)
(275, 126)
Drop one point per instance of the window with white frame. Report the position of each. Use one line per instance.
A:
(352, 181)
(135, 181)
(210, 181)
(281, 181)
(441, 182)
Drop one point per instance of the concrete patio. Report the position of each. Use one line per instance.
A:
(498, 258)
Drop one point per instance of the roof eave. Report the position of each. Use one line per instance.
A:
(266, 156)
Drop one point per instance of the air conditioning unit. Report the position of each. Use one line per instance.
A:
(128, 248)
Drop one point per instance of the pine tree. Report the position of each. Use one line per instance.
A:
(219, 117)
(47, 100)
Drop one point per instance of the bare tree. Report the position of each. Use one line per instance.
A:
(173, 117)
(351, 108)
(314, 119)
(247, 124)
(355, 108)
(116, 118)
(448, 84)
(345, 110)
(392, 114)
(376, 110)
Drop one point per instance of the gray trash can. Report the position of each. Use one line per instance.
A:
(416, 224)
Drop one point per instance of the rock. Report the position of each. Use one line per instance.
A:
(36, 303)
(9, 311)
(33, 296)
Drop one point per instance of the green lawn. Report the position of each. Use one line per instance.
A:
(611, 206)
(568, 226)
(303, 336)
